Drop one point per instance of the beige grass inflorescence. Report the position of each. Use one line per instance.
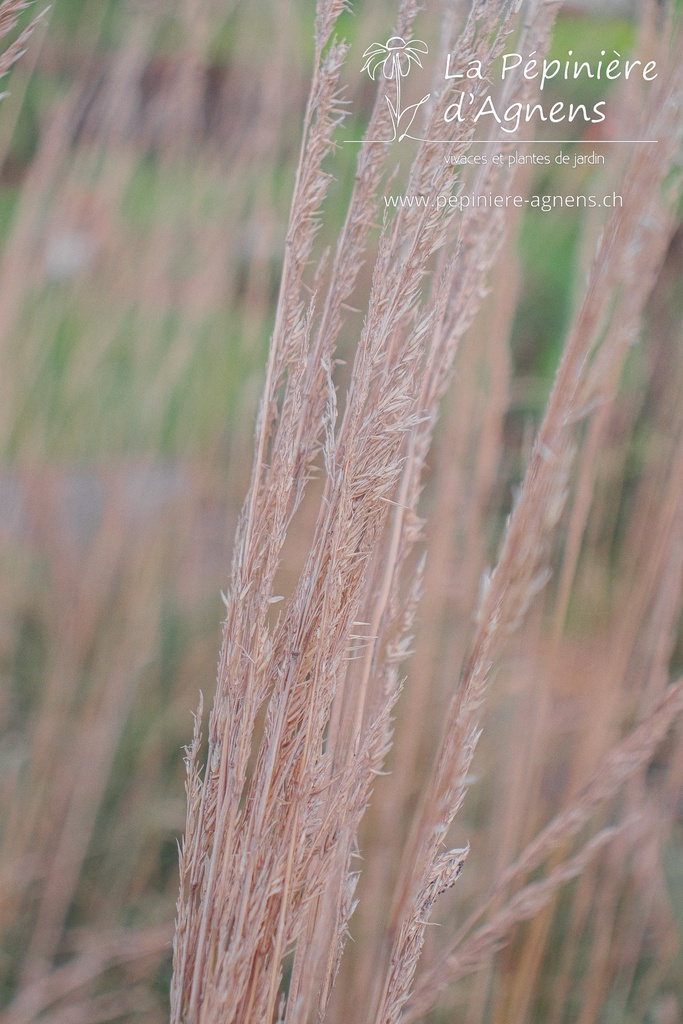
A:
(340, 790)
(301, 722)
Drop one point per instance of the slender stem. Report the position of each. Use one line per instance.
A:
(397, 73)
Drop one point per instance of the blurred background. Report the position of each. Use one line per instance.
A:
(147, 154)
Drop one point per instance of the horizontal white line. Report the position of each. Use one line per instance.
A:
(520, 142)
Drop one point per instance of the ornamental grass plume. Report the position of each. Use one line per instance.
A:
(10, 13)
(517, 778)
(309, 682)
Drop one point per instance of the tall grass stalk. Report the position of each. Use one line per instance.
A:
(301, 722)
(405, 383)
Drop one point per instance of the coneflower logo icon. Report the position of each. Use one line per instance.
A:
(395, 58)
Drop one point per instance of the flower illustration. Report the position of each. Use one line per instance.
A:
(395, 58)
